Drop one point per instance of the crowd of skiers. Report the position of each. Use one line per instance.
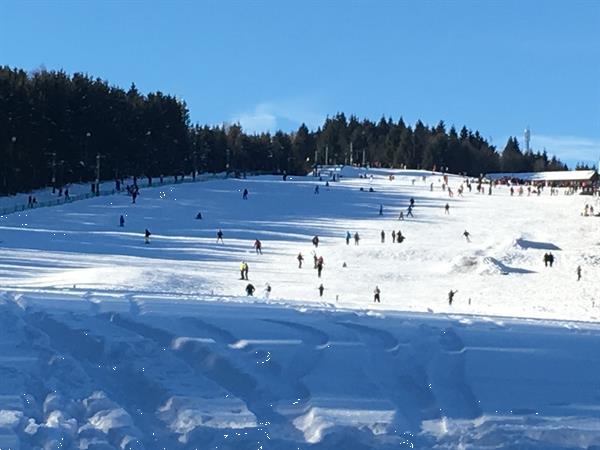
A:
(318, 261)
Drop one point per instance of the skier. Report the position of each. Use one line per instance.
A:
(348, 236)
(244, 270)
(315, 259)
(250, 289)
(401, 216)
(267, 290)
(399, 237)
(467, 236)
(578, 273)
(199, 216)
(356, 238)
(245, 194)
(393, 236)
(258, 247)
(321, 289)
(381, 210)
(409, 211)
(451, 296)
(447, 209)
(550, 259)
(546, 259)
(121, 221)
(412, 202)
(147, 236)
(319, 266)
(316, 189)
(315, 241)
(376, 296)
(220, 236)
(134, 195)
(382, 236)
(300, 258)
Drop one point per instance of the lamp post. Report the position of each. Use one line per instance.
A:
(97, 174)
(87, 137)
(53, 172)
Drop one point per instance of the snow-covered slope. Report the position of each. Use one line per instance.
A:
(108, 343)
(501, 270)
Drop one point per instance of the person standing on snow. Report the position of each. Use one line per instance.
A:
(245, 194)
(319, 266)
(401, 216)
(315, 241)
(258, 247)
(382, 236)
(467, 236)
(381, 210)
(393, 236)
(267, 290)
(300, 258)
(578, 271)
(409, 212)
(348, 236)
(121, 221)
(376, 296)
(244, 270)
(316, 189)
(356, 238)
(447, 209)
(147, 236)
(321, 289)
(250, 289)
(451, 296)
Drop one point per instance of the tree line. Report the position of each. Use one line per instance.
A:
(56, 129)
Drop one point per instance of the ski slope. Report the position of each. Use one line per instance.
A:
(108, 343)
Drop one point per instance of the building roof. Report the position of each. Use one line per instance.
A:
(559, 175)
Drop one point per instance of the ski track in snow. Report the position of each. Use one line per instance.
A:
(109, 344)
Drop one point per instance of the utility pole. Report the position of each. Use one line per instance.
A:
(195, 160)
(53, 172)
(97, 174)
(327, 155)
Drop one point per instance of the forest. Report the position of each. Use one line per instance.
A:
(56, 128)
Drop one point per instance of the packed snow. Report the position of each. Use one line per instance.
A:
(110, 343)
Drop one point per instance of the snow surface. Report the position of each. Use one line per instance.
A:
(108, 343)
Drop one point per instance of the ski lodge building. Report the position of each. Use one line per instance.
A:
(584, 180)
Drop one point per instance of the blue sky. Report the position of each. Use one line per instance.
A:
(495, 66)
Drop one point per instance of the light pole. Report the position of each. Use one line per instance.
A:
(97, 174)
(53, 172)
(88, 135)
(194, 162)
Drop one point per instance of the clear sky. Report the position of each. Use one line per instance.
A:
(495, 66)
